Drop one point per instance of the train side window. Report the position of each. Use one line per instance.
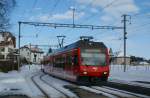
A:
(68, 60)
(75, 60)
(63, 62)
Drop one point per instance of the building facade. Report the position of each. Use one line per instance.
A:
(25, 54)
(8, 52)
(36, 55)
(31, 54)
(119, 59)
(7, 46)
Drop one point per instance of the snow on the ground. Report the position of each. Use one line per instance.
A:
(19, 82)
(29, 69)
(50, 91)
(59, 84)
(15, 82)
(132, 73)
(1, 87)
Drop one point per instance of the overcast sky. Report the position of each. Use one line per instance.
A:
(96, 12)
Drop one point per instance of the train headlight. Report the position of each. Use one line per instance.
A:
(84, 72)
(105, 73)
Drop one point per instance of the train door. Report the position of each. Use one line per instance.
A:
(69, 66)
(68, 62)
(75, 62)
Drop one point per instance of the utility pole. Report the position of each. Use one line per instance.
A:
(73, 14)
(30, 56)
(19, 36)
(125, 36)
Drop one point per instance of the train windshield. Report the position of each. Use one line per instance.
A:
(93, 57)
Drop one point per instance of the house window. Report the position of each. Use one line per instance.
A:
(35, 57)
(2, 49)
(28, 53)
(10, 50)
(2, 56)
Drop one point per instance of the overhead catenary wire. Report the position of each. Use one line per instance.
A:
(53, 8)
(56, 25)
(33, 7)
(140, 14)
(34, 4)
(138, 29)
(95, 14)
(88, 4)
(25, 12)
(140, 26)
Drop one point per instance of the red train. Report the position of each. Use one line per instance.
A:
(82, 61)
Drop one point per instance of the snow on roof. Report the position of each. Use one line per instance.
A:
(1, 38)
(144, 63)
(33, 49)
(36, 49)
(121, 54)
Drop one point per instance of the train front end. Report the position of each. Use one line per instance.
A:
(94, 64)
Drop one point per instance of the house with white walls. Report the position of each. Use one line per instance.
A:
(119, 59)
(25, 54)
(30, 54)
(7, 46)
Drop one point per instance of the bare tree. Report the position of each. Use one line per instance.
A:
(6, 7)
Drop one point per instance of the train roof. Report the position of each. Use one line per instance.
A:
(82, 44)
(85, 44)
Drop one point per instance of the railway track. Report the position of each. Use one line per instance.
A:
(119, 93)
(66, 95)
(39, 87)
(101, 91)
(135, 83)
(81, 91)
(107, 92)
(128, 87)
(49, 90)
(13, 96)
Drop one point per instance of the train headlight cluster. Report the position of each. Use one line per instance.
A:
(105, 73)
(84, 72)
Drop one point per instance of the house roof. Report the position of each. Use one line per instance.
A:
(24, 47)
(121, 54)
(36, 50)
(33, 49)
(7, 38)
